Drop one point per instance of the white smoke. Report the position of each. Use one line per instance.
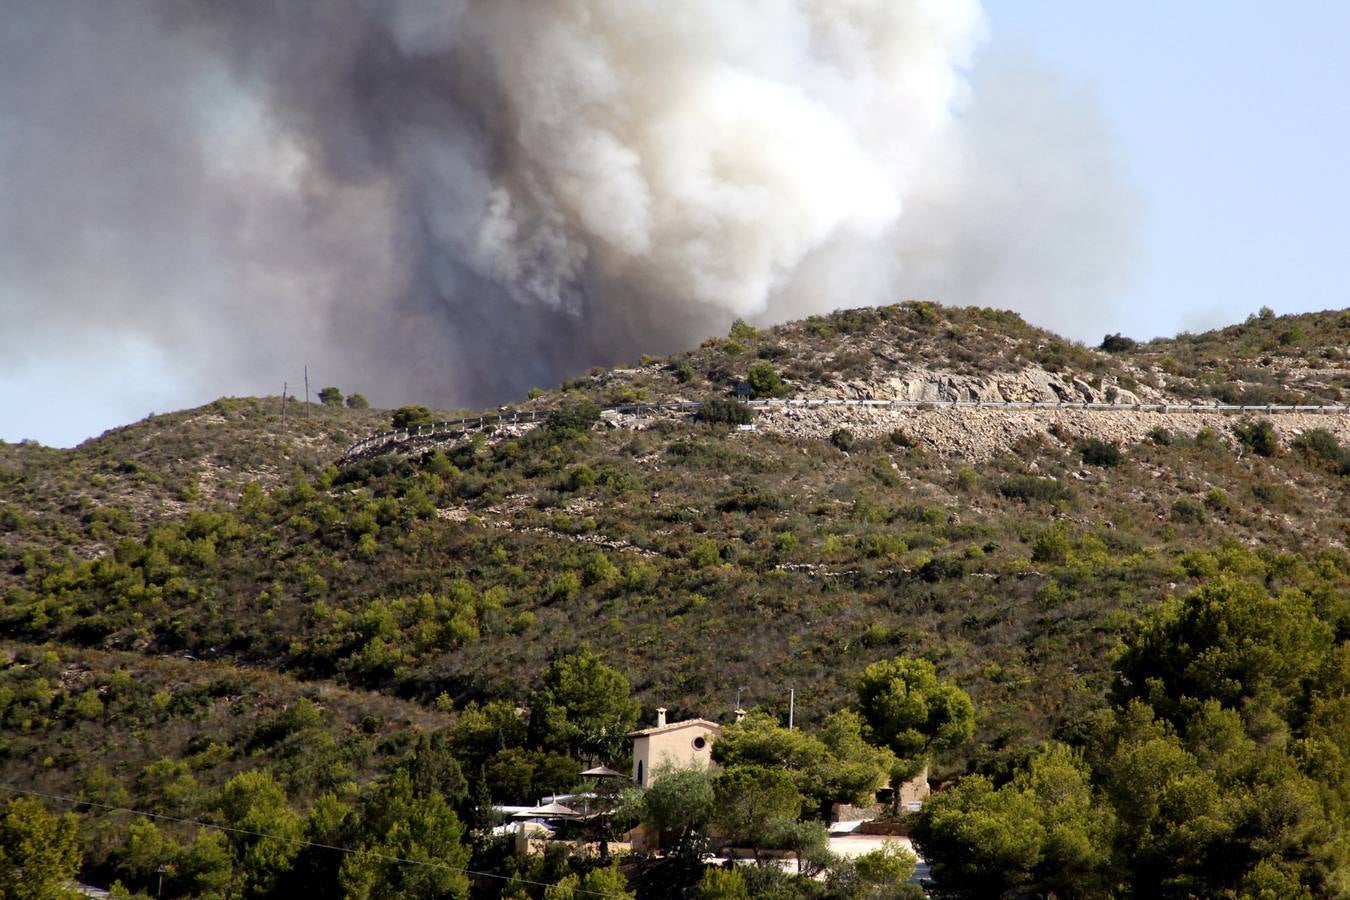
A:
(452, 200)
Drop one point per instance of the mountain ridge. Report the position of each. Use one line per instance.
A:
(702, 561)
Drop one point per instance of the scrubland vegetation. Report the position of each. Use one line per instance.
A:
(207, 620)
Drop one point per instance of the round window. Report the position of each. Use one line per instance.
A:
(700, 742)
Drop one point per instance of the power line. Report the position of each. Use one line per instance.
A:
(78, 801)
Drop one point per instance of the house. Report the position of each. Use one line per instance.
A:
(675, 745)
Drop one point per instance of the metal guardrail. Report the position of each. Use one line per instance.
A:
(470, 424)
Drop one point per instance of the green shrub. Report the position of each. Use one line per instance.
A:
(901, 438)
(924, 311)
(598, 570)
(1114, 343)
(1269, 493)
(1052, 545)
(726, 412)
(966, 479)
(1160, 436)
(722, 884)
(742, 331)
(1207, 439)
(764, 380)
(411, 417)
(1029, 488)
(357, 401)
(880, 544)
(330, 396)
(1218, 500)
(1292, 336)
(574, 418)
(1099, 453)
(1320, 444)
(1188, 511)
(579, 477)
(943, 568)
(565, 586)
(843, 439)
(705, 554)
(1259, 437)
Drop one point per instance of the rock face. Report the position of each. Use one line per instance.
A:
(975, 434)
(1028, 385)
(980, 434)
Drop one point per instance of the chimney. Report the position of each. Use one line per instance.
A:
(740, 714)
(660, 716)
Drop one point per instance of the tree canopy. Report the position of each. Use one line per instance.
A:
(906, 708)
(583, 706)
(1221, 769)
(39, 851)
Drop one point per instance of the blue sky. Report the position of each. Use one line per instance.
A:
(1232, 120)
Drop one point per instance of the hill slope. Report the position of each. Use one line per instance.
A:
(701, 561)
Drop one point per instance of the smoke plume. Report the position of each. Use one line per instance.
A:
(450, 201)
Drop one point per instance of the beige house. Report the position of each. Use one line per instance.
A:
(675, 745)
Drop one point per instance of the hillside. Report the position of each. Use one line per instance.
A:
(230, 563)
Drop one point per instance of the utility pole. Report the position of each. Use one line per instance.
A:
(284, 386)
(306, 392)
(792, 706)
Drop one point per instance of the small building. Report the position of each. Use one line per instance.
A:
(675, 745)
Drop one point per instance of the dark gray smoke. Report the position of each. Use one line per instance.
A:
(450, 201)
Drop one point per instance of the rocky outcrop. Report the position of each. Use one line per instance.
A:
(980, 434)
(1029, 385)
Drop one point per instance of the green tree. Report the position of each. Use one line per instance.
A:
(1231, 641)
(145, 851)
(753, 803)
(835, 765)
(809, 842)
(678, 807)
(574, 418)
(39, 852)
(564, 889)
(908, 709)
(481, 731)
(727, 412)
(330, 396)
(1221, 771)
(206, 869)
(722, 884)
(606, 882)
(1040, 834)
(583, 706)
(742, 330)
(1259, 437)
(410, 417)
(267, 829)
(398, 824)
(890, 864)
(433, 768)
(764, 380)
(357, 401)
(855, 769)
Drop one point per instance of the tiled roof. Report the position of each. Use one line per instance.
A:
(676, 726)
